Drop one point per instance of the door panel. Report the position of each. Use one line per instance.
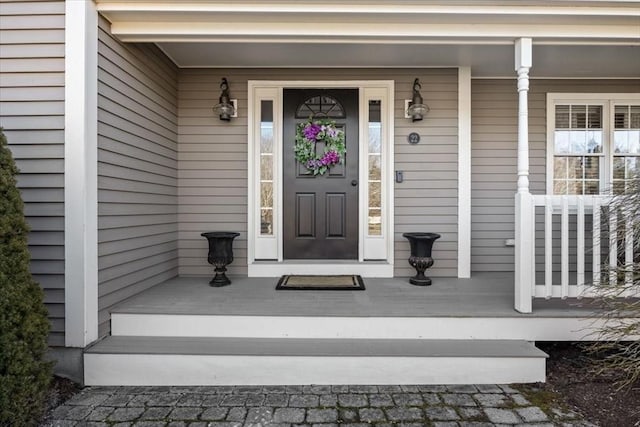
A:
(305, 215)
(320, 212)
(335, 215)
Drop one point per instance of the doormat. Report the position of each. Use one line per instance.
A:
(321, 283)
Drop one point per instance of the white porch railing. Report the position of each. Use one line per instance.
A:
(573, 241)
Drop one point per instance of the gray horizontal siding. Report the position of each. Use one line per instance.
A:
(137, 171)
(213, 162)
(494, 129)
(427, 200)
(32, 115)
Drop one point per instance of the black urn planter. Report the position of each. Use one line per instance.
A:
(420, 259)
(220, 254)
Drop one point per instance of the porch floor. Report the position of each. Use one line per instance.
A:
(483, 295)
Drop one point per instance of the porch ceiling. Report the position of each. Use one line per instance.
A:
(571, 38)
(484, 60)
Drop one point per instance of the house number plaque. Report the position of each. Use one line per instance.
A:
(413, 138)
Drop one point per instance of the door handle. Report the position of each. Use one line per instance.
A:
(354, 182)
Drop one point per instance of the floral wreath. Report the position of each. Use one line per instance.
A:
(313, 131)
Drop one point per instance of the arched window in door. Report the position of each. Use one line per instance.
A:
(320, 106)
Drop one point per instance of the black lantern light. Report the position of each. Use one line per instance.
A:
(417, 109)
(225, 108)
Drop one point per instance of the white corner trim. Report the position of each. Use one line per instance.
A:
(464, 172)
(80, 174)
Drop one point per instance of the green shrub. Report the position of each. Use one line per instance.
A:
(24, 375)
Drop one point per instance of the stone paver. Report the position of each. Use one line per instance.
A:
(376, 400)
(352, 400)
(237, 414)
(502, 416)
(276, 399)
(310, 405)
(532, 414)
(407, 399)
(520, 400)
(304, 401)
(156, 413)
(328, 400)
(322, 416)
(441, 413)
(458, 399)
(370, 415)
(404, 414)
(181, 413)
(214, 414)
(491, 400)
(289, 415)
(259, 416)
(126, 414)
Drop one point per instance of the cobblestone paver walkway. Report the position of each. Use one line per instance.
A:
(444, 406)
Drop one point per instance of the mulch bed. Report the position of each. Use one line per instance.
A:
(571, 379)
(60, 391)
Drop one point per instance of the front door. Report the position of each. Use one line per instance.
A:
(320, 212)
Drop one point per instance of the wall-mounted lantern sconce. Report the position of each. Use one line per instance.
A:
(415, 107)
(227, 107)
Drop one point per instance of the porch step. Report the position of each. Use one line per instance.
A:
(129, 360)
(460, 327)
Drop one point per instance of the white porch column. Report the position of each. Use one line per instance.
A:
(80, 174)
(464, 172)
(524, 202)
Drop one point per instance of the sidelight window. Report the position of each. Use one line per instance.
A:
(266, 168)
(374, 170)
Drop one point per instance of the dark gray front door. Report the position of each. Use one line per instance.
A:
(321, 212)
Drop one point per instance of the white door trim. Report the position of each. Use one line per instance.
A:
(375, 253)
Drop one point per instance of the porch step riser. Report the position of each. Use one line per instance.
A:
(171, 369)
(451, 328)
(263, 361)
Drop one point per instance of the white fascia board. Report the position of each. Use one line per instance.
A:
(386, 7)
(80, 174)
(269, 31)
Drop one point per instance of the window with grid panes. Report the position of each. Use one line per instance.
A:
(596, 146)
(578, 151)
(626, 146)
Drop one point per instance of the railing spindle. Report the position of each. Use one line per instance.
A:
(548, 247)
(613, 245)
(580, 247)
(533, 249)
(596, 240)
(564, 250)
(628, 254)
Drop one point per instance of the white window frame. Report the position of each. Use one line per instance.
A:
(608, 102)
